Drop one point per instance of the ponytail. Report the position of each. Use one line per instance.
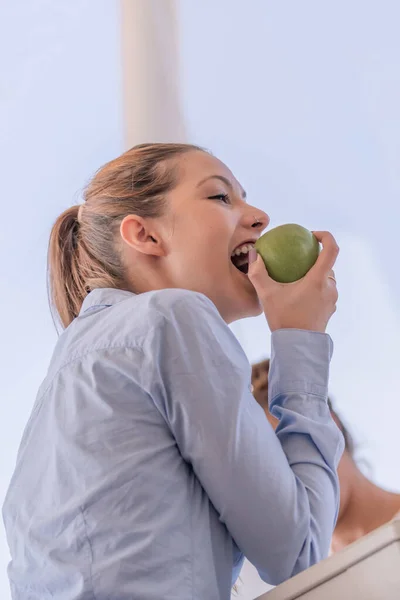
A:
(67, 286)
(84, 249)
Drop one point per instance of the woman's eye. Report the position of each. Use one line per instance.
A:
(222, 197)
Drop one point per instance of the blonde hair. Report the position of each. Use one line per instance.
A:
(83, 253)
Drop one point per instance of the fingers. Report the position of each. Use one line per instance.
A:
(332, 277)
(331, 285)
(307, 304)
(328, 255)
(257, 273)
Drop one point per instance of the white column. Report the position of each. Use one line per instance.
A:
(151, 72)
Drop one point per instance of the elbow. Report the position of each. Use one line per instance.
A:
(292, 563)
(304, 540)
(281, 570)
(278, 575)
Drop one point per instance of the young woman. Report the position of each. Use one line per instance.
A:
(364, 506)
(147, 470)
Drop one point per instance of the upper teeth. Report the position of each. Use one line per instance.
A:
(244, 249)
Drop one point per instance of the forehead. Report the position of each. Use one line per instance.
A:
(196, 166)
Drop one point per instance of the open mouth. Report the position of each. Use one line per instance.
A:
(240, 257)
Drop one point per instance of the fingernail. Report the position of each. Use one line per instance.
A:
(252, 255)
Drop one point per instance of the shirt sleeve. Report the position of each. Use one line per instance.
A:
(278, 493)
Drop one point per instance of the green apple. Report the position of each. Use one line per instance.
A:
(288, 251)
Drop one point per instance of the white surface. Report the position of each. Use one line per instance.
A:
(367, 569)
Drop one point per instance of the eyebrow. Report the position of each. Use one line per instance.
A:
(224, 180)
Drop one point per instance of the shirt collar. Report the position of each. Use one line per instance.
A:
(102, 298)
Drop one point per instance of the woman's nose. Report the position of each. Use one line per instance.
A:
(258, 219)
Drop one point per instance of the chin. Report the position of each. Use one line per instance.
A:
(234, 301)
(250, 307)
(254, 311)
(246, 303)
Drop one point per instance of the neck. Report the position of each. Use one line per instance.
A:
(366, 507)
(146, 276)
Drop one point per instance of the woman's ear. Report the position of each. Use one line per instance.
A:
(141, 235)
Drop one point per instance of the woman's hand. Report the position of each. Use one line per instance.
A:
(305, 304)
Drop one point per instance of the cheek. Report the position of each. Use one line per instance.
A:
(203, 258)
(211, 248)
(200, 242)
(201, 231)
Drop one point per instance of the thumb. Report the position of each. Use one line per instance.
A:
(257, 272)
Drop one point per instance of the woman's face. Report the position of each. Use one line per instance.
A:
(207, 220)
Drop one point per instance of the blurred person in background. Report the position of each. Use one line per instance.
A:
(146, 470)
(364, 506)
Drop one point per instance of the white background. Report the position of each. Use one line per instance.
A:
(301, 99)
(60, 119)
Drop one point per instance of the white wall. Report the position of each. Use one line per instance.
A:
(60, 119)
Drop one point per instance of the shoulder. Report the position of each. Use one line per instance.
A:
(189, 325)
(156, 311)
(181, 314)
(179, 304)
(154, 322)
(184, 308)
(140, 317)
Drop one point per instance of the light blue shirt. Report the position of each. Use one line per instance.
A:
(147, 470)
